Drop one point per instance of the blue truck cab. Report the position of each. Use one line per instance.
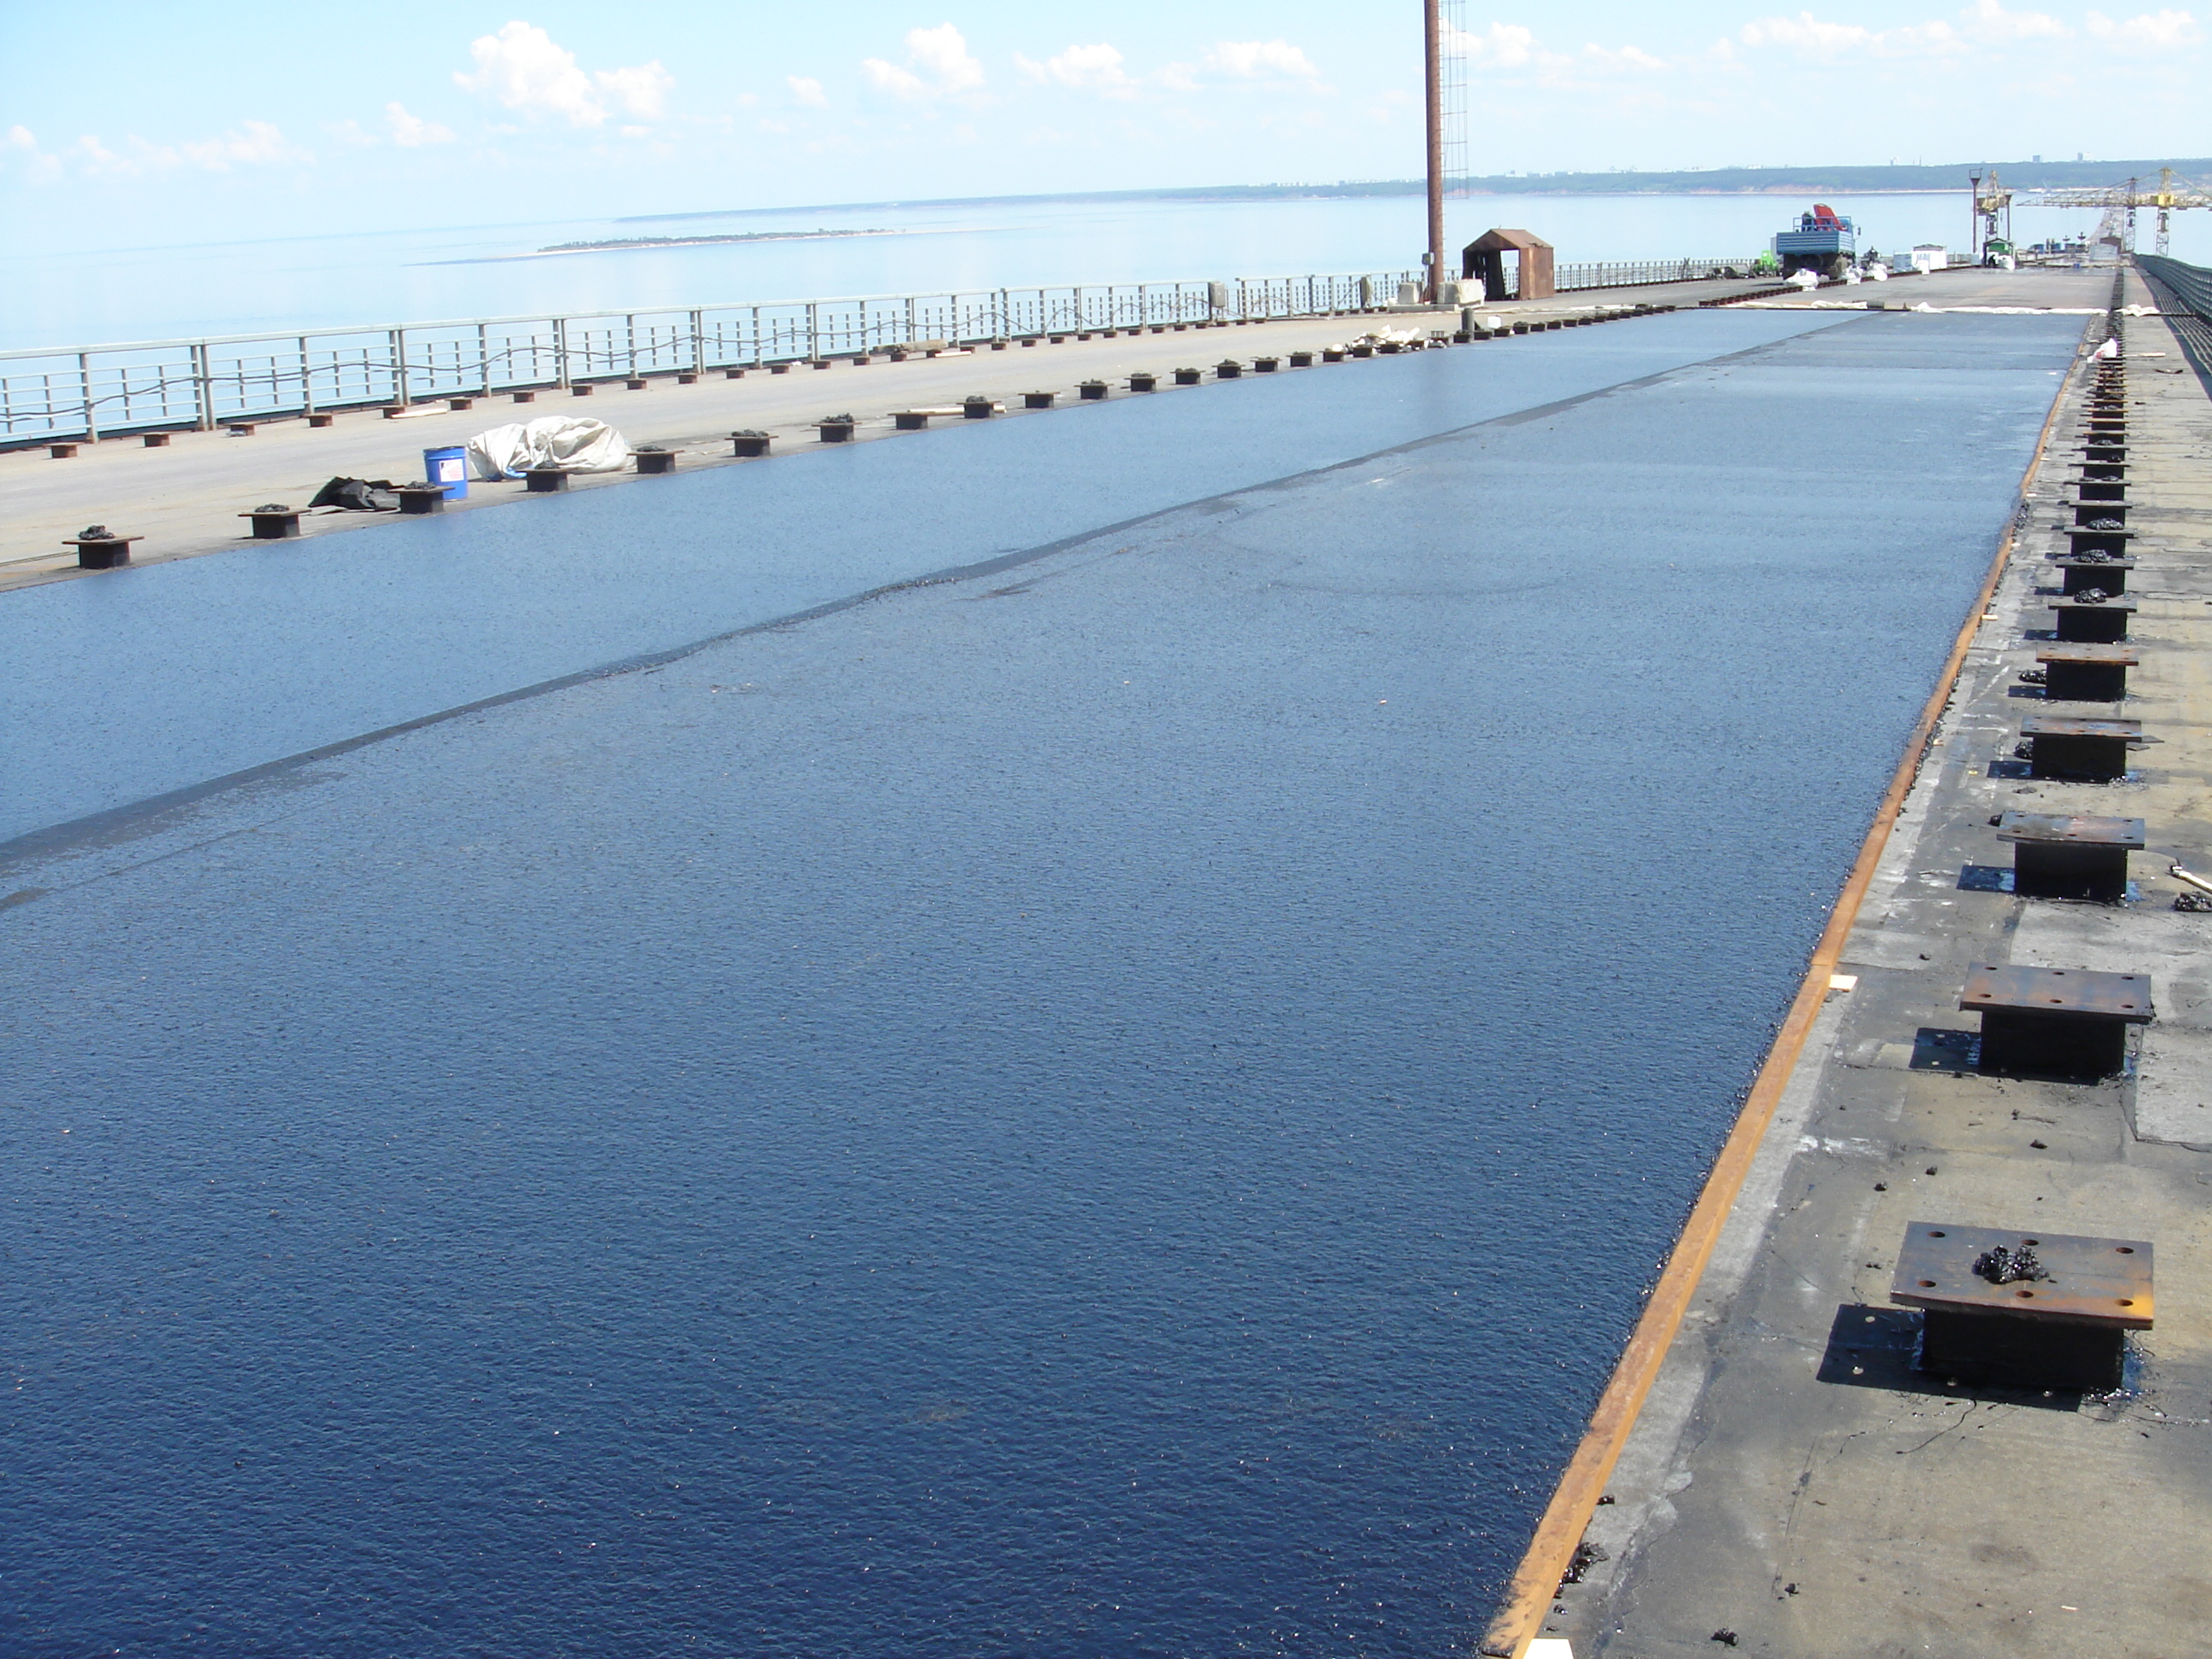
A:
(1823, 242)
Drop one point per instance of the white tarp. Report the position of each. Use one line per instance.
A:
(570, 442)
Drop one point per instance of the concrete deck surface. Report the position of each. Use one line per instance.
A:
(1794, 1485)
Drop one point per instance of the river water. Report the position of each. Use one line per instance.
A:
(1123, 1104)
(385, 277)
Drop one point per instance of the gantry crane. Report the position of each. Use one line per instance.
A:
(1990, 206)
(2120, 202)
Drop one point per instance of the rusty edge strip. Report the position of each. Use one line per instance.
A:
(1534, 1584)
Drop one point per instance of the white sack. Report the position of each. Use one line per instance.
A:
(570, 442)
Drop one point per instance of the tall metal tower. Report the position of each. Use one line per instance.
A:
(1432, 68)
(1443, 25)
(1453, 80)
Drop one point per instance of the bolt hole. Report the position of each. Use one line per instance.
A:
(1927, 1283)
(2030, 1241)
(2023, 1293)
(2123, 1249)
(1933, 1233)
(2127, 1302)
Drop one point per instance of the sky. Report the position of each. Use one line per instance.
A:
(136, 123)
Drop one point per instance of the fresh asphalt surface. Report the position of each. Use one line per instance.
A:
(1122, 1104)
(164, 678)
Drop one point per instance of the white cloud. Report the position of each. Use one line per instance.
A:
(1807, 35)
(1501, 45)
(523, 67)
(256, 144)
(937, 64)
(643, 92)
(1093, 68)
(890, 78)
(1984, 23)
(806, 90)
(2158, 31)
(1255, 60)
(252, 144)
(944, 54)
(1990, 20)
(1633, 58)
(20, 148)
(412, 131)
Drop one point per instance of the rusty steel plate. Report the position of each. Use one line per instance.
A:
(2060, 828)
(2064, 725)
(2106, 1281)
(2010, 985)
(2077, 562)
(2095, 656)
(2075, 602)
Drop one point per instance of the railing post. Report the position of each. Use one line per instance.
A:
(398, 344)
(698, 342)
(813, 330)
(306, 381)
(560, 352)
(203, 388)
(84, 390)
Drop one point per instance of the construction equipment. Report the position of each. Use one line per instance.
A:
(1992, 217)
(1824, 243)
(2120, 202)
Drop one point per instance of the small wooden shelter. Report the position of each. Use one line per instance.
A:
(1486, 257)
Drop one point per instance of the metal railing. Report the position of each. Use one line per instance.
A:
(1639, 274)
(84, 391)
(2184, 293)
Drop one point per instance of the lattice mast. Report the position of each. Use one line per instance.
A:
(1453, 80)
(1444, 65)
(1432, 77)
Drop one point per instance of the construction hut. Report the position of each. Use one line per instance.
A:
(1486, 257)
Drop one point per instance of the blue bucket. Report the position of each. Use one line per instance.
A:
(450, 468)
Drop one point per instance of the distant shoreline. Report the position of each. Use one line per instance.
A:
(1948, 179)
(627, 244)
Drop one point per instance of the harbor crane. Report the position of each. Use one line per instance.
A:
(2120, 201)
